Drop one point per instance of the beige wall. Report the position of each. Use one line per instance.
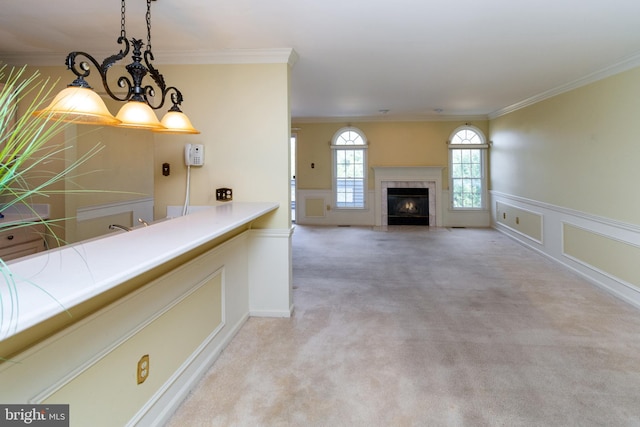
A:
(390, 144)
(121, 170)
(243, 114)
(571, 163)
(577, 150)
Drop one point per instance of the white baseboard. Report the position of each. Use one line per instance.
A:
(272, 313)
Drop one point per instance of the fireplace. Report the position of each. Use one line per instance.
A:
(388, 178)
(407, 206)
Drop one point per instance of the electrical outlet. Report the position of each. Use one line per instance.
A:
(143, 368)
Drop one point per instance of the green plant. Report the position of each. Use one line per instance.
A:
(26, 153)
(24, 149)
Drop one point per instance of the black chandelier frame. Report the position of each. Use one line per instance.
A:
(135, 90)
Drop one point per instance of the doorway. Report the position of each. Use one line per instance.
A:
(293, 176)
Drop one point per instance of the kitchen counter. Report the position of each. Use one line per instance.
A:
(47, 283)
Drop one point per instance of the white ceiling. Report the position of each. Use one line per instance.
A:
(415, 58)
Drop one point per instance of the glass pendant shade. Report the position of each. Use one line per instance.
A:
(177, 122)
(138, 115)
(78, 105)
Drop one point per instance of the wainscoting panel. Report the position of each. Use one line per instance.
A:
(314, 207)
(182, 320)
(604, 251)
(183, 327)
(609, 256)
(462, 217)
(311, 209)
(523, 221)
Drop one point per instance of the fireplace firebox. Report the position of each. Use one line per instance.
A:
(407, 206)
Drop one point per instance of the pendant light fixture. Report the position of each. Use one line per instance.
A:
(80, 104)
(175, 121)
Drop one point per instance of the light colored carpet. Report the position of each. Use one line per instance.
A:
(420, 326)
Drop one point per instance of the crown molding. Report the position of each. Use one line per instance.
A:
(390, 118)
(625, 64)
(227, 56)
(231, 56)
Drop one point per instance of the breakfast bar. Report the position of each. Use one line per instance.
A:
(168, 296)
(49, 283)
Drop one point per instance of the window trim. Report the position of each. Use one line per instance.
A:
(334, 148)
(484, 147)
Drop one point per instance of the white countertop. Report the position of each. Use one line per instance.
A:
(65, 277)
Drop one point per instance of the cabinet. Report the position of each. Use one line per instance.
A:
(22, 241)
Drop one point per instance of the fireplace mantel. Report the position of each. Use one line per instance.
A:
(422, 176)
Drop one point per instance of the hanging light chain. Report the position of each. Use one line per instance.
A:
(148, 25)
(123, 30)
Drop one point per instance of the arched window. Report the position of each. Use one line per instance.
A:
(349, 146)
(467, 168)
